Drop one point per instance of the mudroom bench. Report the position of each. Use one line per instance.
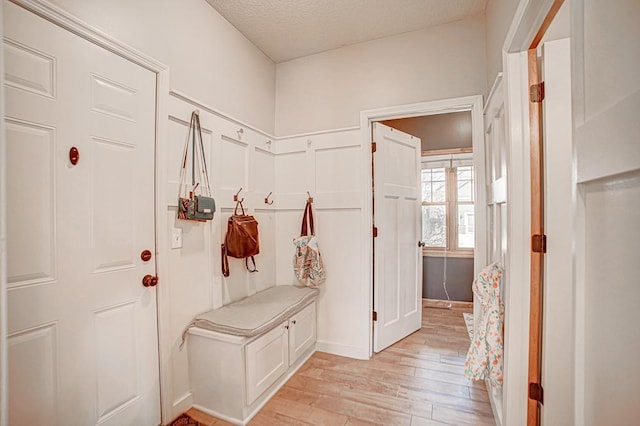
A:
(242, 353)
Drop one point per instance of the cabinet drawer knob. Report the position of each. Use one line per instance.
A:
(293, 322)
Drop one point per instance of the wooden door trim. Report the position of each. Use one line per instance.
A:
(546, 22)
(537, 218)
(537, 228)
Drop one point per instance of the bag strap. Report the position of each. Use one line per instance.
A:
(194, 138)
(185, 152)
(204, 172)
(235, 211)
(225, 261)
(307, 221)
(246, 263)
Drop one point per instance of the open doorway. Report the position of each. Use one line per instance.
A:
(470, 105)
(446, 190)
(448, 197)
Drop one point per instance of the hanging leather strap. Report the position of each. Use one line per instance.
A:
(246, 263)
(235, 211)
(194, 138)
(307, 221)
(225, 261)
(205, 173)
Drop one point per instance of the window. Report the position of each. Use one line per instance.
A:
(448, 206)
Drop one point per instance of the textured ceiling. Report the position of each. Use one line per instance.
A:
(288, 29)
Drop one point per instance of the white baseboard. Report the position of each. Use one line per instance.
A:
(181, 405)
(340, 349)
(436, 303)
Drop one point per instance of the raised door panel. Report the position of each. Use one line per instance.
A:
(29, 69)
(34, 376)
(31, 236)
(117, 359)
(113, 228)
(267, 359)
(302, 332)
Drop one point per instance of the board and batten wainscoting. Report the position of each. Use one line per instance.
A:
(328, 165)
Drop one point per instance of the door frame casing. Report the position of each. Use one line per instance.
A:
(4, 367)
(467, 103)
(531, 20)
(69, 22)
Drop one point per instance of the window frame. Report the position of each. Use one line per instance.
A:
(451, 205)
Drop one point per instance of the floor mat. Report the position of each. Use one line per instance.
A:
(185, 420)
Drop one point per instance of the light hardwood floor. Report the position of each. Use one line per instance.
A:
(418, 381)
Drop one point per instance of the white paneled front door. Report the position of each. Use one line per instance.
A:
(82, 328)
(398, 219)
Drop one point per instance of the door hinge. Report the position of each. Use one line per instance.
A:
(374, 315)
(536, 92)
(539, 243)
(375, 232)
(536, 392)
(373, 147)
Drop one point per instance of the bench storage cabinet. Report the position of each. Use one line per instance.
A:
(231, 375)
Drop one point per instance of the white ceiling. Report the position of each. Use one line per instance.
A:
(288, 29)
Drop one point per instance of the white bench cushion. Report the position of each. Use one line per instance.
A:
(258, 313)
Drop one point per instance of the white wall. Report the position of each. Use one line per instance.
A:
(438, 131)
(209, 59)
(498, 17)
(328, 166)
(561, 25)
(328, 90)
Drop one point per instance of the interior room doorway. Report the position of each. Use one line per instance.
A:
(380, 304)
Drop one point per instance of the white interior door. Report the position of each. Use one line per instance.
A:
(398, 219)
(82, 328)
(605, 39)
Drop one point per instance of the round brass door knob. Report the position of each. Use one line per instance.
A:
(149, 281)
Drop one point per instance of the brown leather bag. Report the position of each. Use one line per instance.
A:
(241, 240)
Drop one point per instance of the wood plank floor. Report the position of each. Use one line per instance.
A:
(418, 381)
